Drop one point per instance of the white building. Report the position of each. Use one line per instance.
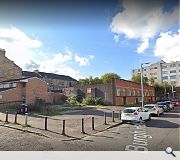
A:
(162, 72)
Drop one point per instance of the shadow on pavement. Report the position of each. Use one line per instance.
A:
(157, 123)
(168, 115)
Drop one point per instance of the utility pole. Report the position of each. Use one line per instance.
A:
(142, 88)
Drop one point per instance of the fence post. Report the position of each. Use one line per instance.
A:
(105, 118)
(15, 119)
(6, 116)
(113, 116)
(82, 125)
(45, 123)
(92, 123)
(120, 114)
(63, 127)
(26, 117)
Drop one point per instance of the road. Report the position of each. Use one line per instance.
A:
(154, 135)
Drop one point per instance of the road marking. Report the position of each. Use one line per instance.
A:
(140, 138)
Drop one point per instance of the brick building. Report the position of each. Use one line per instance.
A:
(28, 89)
(118, 92)
(56, 83)
(8, 69)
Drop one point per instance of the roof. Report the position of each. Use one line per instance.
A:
(13, 80)
(47, 75)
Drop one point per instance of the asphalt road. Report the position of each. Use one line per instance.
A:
(154, 135)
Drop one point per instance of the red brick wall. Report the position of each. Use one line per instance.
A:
(11, 95)
(132, 99)
(36, 88)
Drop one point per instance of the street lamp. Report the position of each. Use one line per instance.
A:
(142, 89)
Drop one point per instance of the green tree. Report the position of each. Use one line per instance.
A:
(106, 78)
(137, 78)
(152, 81)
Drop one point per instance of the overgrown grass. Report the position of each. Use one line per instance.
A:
(52, 110)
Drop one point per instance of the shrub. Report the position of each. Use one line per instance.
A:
(72, 100)
(93, 101)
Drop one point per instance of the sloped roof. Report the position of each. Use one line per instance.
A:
(47, 75)
(13, 80)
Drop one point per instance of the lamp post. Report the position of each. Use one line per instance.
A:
(142, 89)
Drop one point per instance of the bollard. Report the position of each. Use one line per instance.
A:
(113, 116)
(120, 114)
(26, 117)
(63, 128)
(105, 118)
(45, 123)
(15, 118)
(92, 123)
(82, 127)
(6, 116)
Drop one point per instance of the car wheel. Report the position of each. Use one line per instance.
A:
(157, 114)
(123, 121)
(140, 120)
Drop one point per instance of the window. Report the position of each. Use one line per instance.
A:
(144, 69)
(133, 92)
(124, 92)
(165, 77)
(129, 92)
(173, 71)
(173, 65)
(164, 72)
(155, 67)
(164, 67)
(118, 92)
(173, 77)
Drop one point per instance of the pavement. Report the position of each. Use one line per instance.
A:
(73, 123)
(154, 135)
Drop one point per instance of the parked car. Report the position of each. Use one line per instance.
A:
(171, 105)
(166, 104)
(164, 107)
(176, 102)
(154, 109)
(135, 114)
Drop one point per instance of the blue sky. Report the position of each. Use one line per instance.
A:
(88, 38)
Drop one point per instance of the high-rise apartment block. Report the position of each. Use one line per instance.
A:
(161, 72)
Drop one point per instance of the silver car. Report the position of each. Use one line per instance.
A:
(154, 109)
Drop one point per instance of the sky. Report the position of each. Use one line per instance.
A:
(89, 38)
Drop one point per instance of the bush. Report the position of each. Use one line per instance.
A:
(93, 101)
(73, 100)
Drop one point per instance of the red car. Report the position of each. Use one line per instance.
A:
(176, 102)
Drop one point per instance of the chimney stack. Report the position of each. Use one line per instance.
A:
(2, 52)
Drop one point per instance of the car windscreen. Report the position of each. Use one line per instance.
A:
(161, 103)
(161, 106)
(129, 111)
(148, 106)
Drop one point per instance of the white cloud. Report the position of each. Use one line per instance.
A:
(83, 61)
(143, 45)
(17, 45)
(143, 20)
(168, 46)
(19, 48)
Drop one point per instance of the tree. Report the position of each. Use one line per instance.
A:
(152, 81)
(137, 78)
(106, 78)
